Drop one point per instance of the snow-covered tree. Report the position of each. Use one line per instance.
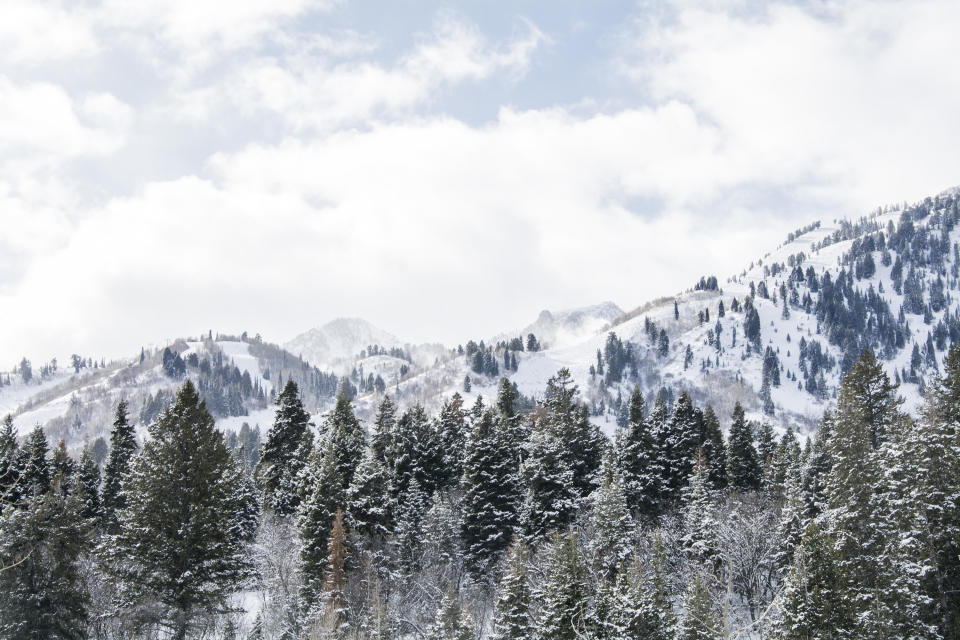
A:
(277, 467)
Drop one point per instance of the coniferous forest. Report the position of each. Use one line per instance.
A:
(487, 522)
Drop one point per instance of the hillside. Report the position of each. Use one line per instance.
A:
(791, 322)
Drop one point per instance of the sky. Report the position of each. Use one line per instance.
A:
(443, 170)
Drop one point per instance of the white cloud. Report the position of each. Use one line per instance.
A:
(841, 103)
(33, 32)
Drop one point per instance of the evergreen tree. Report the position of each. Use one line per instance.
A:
(36, 476)
(678, 444)
(452, 434)
(714, 449)
(933, 447)
(643, 606)
(638, 461)
(324, 496)
(451, 622)
(551, 499)
(10, 464)
(491, 494)
(569, 421)
(814, 602)
(564, 600)
(123, 448)
(743, 469)
(368, 504)
(383, 426)
(512, 619)
(180, 551)
(699, 620)
(284, 438)
(610, 546)
(62, 465)
(412, 508)
(701, 538)
(346, 439)
(42, 590)
(88, 482)
(415, 453)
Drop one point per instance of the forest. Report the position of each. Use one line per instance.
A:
(492, 521)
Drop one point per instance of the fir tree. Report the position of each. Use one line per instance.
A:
(451, 622)
(700, 541)
(714, 449)
(564, 601)
(678, 444)
(612, 525)
(383, 425)
(325, 495)
(512, 619)
(491, 494)
(284, 438)
(638, 461)
(699, 620)
(88, 482)
(36, 476)
(10, 467)
(346, 439)
(43, 593)
(180, 552)
(368, 506)
(123, 448)
(551, 499)
(743, 469)
(452, 434)
(415, 453)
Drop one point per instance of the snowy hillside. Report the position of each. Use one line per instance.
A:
(777, 337)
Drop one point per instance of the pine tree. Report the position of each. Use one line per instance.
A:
(610, 546)
(933, 447)
(179, 552)
(123, 448)
(564, 599)
(42, 590)
(699, 620)
(452, 434)
(369, 510)
(678, 444)
(700, 541)
(714, 449)
(743, 469)
(415, 453)
(383, 425)
(325, 495)
(88, 482)
(491, 494)
(346, 439)
(412, 508)
(551, 499)
(638, 461)
(814, 602)
(36, 476)
(451, 622)
(512, 619)
(569, 421)
(10, 464)
(284, 438)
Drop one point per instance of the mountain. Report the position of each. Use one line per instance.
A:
(339, 340)
(563, 328)
(777, 336)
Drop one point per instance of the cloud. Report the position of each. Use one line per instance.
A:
(310, 92)
(839, 102)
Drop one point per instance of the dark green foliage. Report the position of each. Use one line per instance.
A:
(88, 485)
(42, 592)
(639, 462)
(278, 458)
(346, 439)
(181, 547)
(512, 618)
(565, 596)
(743, 468)
(35, 475)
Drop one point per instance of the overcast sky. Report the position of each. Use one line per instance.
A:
(443, 170)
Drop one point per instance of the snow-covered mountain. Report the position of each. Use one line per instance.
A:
(339, 340)
(777, 337)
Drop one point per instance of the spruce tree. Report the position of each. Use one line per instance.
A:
(678, 446)
(638, 461)
(610, 546)
(451, 622)
(699, 620)
(10, 464)
(346, 439)
(383, 426)
(643, 606)
(551, 499)
(325, 494)
(743, 468)
(452, 434)
(43, 593)
(369, 510)
(563, 614)
(491, 494)
(290, 425)
(180, 551)
(569, 421)
(36, 475)
(123, 447)
(512, 618)
(701, 537)
(714, 449)
(415, 452)
(88, 483)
